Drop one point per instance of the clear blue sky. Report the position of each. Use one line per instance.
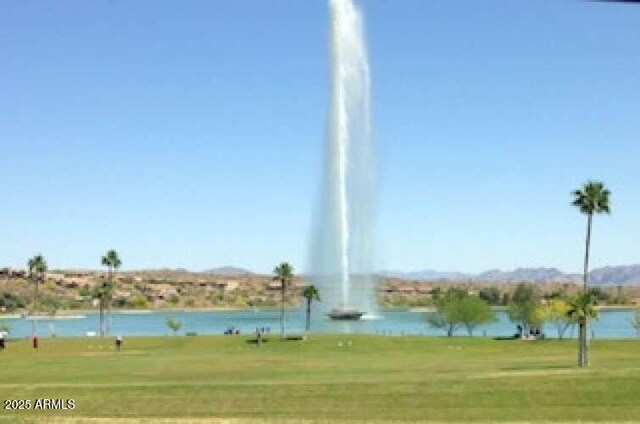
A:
(189, 133)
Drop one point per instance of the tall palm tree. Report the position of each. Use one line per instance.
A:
(112, 262)
(635, 322)
(581, 309)
(37, 266)
(284, 274)
(310, 293)
(592, 198)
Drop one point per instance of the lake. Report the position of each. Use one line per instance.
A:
(611, 324)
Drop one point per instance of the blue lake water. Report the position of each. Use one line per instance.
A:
(611, 324)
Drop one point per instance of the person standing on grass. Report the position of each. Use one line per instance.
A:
(258, 337)
(118, 343)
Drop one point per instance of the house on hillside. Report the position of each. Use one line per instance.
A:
(424, 288)
(164, 291)
(71, 284)
(218, 285)
(274, 285)
(121, 295)
(16, 273)
(231, 286)
(56, 277)
(78, 274)
(406, 289)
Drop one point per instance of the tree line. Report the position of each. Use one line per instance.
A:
(455, 308)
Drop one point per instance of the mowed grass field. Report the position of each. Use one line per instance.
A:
(327, 377)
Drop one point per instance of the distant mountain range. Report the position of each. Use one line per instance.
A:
(609, 275)
(230, 271)
(427, 274)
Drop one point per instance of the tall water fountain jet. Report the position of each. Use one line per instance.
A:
(342, 248)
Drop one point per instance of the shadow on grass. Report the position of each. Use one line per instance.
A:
(537, 366)
(255, 341)
(292, 338)
(506, 338)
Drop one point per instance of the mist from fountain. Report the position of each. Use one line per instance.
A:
(342, 247)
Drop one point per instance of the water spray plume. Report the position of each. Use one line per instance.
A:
(342, 249)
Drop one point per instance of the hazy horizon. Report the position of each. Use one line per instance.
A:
(377, 272)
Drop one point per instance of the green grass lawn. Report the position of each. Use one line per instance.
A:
(368, 378)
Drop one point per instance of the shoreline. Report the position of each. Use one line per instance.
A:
(75, 313)
(505, 308)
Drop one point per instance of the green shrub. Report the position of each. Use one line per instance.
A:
(600, 294)
(119, 303)
(491, 295)
(137, 301)
(455, 308)
(173, 324)
(11, 301)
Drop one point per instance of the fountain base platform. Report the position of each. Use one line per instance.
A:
(345, 314)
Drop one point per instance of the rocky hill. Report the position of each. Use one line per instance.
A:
(228, 271)
(614, 275)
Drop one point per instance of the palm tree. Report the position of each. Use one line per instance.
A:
(284, 274)
(635, 322)
(592, 198)
(581, 309)
(37, 269)
(310, 293)
(112, 262)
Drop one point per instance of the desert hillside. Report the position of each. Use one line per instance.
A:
(182, 289)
